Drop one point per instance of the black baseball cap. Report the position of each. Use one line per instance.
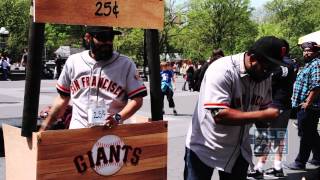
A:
(102, 32)
(270, 49)
(312, 46)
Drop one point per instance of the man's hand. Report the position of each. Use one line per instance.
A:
(270, 113)
(304, 105)
(41, 129)
(110, 122)
(55, 112)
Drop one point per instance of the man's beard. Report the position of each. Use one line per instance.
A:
(257, 77)
(102, 52)
(307, 59)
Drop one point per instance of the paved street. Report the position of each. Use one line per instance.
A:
(11, 104)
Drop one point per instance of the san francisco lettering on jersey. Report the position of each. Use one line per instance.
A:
(96, 82)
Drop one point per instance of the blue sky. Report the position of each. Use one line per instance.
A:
(257, 3)
(254, 3)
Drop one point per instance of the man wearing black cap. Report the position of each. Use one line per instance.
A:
(102, 84)
(235, 92)
(270, 137)
(306, 99)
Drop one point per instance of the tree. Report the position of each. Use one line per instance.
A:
(14, 15)
(172, 28)
(57, 35)
(215, 24)
(293, 19)
(130, 43)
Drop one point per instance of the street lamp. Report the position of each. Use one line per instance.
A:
(4, 34)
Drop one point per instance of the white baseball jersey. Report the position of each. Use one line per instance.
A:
(88, 81)
(225, 85)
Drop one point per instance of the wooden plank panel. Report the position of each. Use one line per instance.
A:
(21, 154)
(66, 162)
(72, 149)
(55, 159)
(153, 156)
(91, 134)
(154, 174)
(144, 165)
(147, 14)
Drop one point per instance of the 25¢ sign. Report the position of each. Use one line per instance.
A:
(148, 14)
(106, 8)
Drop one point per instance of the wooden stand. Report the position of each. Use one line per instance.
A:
(64, 154)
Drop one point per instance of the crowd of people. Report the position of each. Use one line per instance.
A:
(256, 87)
(261, 87)
(193, 73)
(6, 64)
(49, 72)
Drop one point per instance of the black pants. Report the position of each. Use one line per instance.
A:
(195, 169)
(5, 74)
(169, 93)
(307, 130)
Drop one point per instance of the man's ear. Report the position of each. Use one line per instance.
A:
(87, 37)
(252, 58)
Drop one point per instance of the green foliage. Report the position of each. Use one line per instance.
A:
(14, 16)
(130, 43)
(193, 30)
(172, 29)
(215, 24)
(291, 19)
(57, 35)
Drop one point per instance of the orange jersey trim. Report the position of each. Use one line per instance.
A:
(143, 88)
(63, 89)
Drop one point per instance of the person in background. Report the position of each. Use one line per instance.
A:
(24, 58)
(305, 99)
(177, 65)
(167, 85)
(199, 74)
(282, 86)
(5, 66)
(190, 72)
(183, 72)
(235, 92)
(59, 61)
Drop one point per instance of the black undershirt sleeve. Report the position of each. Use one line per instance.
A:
(141, 94)
(63, 93)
